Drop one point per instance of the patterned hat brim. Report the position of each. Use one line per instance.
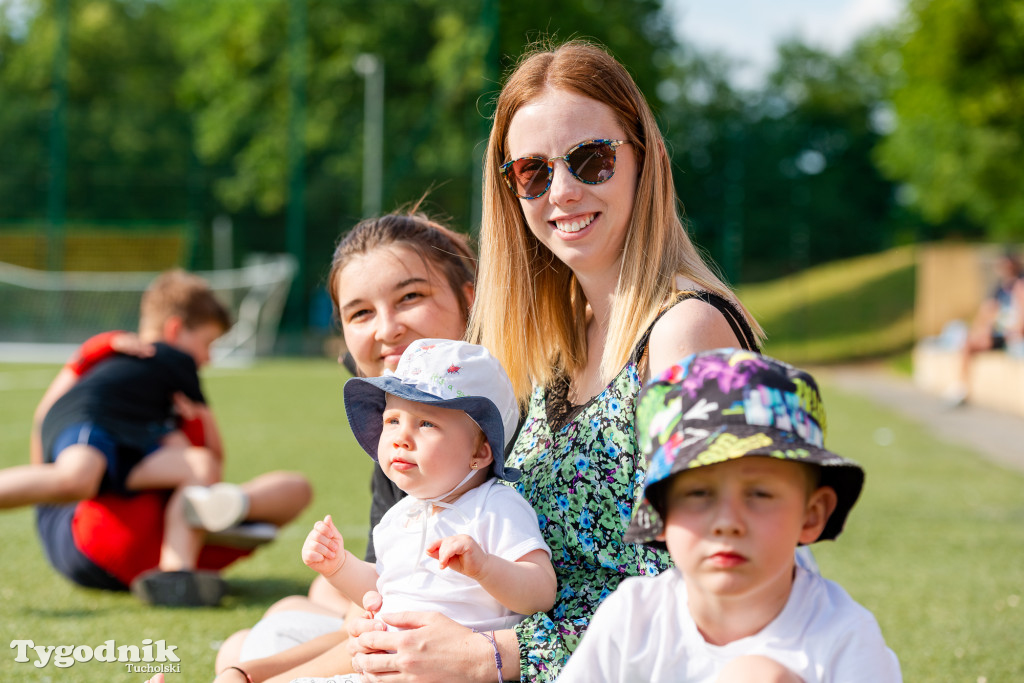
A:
(845, 476)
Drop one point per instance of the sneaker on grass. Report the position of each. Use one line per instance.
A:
(216, 507)
(198, 588)
(243, 536)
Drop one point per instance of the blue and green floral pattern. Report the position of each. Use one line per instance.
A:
(583, 480)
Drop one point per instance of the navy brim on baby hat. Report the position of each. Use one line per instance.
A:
(725, 404)
(444, 373)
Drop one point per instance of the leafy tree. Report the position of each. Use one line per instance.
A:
(442, 60)
(780, 178)
(129, 152)
(959, 139)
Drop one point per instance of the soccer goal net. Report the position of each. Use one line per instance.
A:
(45, 315)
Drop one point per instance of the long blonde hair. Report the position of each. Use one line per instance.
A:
(530, 310)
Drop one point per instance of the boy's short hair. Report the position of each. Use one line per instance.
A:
(727, 404)
(184, 295)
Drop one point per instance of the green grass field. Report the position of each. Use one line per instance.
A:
(279, 415)
(933, 548)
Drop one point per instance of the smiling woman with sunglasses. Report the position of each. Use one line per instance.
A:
(587, 285)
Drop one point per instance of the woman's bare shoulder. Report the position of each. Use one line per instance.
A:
(690, 326)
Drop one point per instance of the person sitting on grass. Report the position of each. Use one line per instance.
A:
(998, 324)
(113, 433)
(737, 477)
(460, 543)
(393, 279)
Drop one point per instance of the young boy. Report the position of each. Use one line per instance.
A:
(113, 433)
(737, 478)
(460, 543)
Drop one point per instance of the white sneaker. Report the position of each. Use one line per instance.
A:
(955, 396)
(243, 536)
(215, 507)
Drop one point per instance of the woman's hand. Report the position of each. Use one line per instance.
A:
(431, 648)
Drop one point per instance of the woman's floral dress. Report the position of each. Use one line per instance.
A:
(583, 479)
(583, 475)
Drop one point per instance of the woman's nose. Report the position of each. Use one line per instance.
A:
(389, 327)
(564, 187)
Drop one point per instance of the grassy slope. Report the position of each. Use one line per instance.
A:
(858, 308)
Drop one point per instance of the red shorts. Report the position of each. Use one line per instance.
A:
(122, 535)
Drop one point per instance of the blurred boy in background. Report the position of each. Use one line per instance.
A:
(127, 461)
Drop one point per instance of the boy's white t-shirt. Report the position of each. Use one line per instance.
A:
(643, 632)
(494, 515)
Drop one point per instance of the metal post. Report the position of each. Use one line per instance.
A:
(371, 68)
(56, 199)
(732, 233)
(489, 18)
(296, 218)
(223, 240)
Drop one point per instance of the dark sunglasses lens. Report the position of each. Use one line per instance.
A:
(530, 176)
(593, 162)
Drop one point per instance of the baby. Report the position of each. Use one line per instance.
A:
(461, 543)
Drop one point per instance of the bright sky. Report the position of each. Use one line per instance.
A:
(748, 30)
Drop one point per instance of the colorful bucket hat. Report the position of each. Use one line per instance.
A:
(445, 373)
(725, 404)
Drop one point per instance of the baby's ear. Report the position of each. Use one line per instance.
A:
(483, 456)
(820, 505)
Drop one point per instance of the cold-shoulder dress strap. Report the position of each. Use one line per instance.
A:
(738, 323)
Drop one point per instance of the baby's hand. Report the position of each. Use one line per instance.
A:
(324, 549)
(461, 553)
(372, 602)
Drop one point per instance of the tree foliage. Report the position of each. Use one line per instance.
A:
(959, 141)
(441, 74)
(781, 178)
(181, 109)
(129, 150)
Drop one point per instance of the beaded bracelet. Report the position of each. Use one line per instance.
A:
(497, 655)
(248, 678)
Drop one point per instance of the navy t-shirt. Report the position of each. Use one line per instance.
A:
(130, 397)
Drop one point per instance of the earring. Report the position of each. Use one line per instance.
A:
(473, 465)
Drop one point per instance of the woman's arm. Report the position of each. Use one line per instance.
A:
(688, 327)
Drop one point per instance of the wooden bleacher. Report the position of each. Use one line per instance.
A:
(952, 281)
